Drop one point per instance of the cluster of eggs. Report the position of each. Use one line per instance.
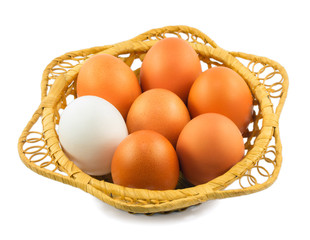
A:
(176, 118)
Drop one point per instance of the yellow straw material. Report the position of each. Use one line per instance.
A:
(39, 147)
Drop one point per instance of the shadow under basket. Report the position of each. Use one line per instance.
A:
(39, 147)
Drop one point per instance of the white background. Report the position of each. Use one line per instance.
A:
(35, 32)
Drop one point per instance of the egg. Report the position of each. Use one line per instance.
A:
(145, 159)
(159, 110)
(90, 129)
(108, 77)
(170, 64)
(208, 146)
(222, 90)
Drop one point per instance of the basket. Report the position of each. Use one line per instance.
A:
(39, 147)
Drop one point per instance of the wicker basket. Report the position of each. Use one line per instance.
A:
(40, 150)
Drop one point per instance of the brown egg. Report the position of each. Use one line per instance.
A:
(159, 110)
(171, 64)
(108, 77)
(145, 159)
(222, 90)
(209, 146)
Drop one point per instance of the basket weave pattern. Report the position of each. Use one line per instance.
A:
(40, 150)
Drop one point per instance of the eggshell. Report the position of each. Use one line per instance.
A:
(222, 90)
(170, 64)
(147, 160)
(160, 110)
(208, 146)
(108, 77)
(90, 129)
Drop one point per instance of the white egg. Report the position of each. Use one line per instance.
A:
(90, 129)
